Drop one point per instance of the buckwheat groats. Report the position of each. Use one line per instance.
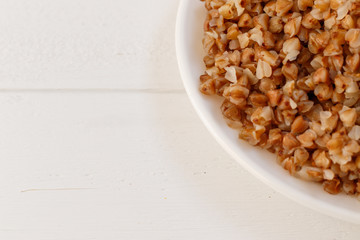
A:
(288, 71)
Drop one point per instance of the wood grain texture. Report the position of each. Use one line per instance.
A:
(115, 165)
(99, 141)
(88, 44)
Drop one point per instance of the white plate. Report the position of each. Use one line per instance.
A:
(189, 32)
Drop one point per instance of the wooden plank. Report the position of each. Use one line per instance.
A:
(118, 165)
(88, 44)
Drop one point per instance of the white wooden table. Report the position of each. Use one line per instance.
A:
(99, 141)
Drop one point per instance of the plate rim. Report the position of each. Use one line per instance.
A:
(279, 186)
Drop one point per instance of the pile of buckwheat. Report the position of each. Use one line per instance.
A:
(288, 71)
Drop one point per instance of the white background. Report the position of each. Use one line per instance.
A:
(99, 141)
